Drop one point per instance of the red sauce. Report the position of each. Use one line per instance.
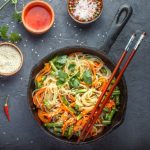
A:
(38, 18)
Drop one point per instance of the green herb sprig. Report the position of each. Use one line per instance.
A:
(13, 37)
(17, 14)
(17, 17)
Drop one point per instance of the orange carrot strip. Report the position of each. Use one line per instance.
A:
(66, 124)
(44, 117)
(45, 70)
(64, 116)
(72, 104)
(72, 98)
(110, 104)
(38, 95)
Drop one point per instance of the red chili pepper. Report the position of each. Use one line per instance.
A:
(6, 109)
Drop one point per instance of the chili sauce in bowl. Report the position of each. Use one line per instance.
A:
(38, 17)
(85, 11)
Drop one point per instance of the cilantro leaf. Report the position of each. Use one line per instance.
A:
(17, 17)
(3, 32)
(60, 61)
(62, 77)
(87, 77)
(71, 67)
(74, 82)
(15, 37)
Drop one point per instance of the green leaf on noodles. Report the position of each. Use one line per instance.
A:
(62, 77)
(71, 67)
(60, 61)
(74, 82)
(87, 77)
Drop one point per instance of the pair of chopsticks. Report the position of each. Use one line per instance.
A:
(96, 112)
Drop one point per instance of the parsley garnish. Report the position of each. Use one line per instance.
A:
(17, 17)
(13, 37)
(62, 77)
(87, 77)
(3, 32)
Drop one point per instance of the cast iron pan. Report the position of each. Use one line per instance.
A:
(113, 33)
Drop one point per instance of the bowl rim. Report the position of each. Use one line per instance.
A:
(21, 55)
(43, 4)
(86, 22)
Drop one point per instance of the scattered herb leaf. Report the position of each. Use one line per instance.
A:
(60, 61)
(74, 81)
(87, 77)
(15, 37)
(71, 67)
(62, 77)
(3, 32)
(17, 17)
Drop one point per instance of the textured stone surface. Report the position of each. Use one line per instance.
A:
(22, 133)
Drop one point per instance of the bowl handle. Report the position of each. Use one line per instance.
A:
(117, 25)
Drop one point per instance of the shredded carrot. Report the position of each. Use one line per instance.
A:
(86, 111)
(80, 124)
(95, 83)
(67, 109)
(66, 124)
(72, 104)
(93, 132)
(83, 83)
(98, 120)
(38, 95)
(110, 104)
(93, 70)
(57, 111)
(103, 86)
(45, 70)
(72, 98)
(96, 64)
(64, 107)
(64, 116)
(44, 117)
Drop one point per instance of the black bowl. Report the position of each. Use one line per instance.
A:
(118, 118)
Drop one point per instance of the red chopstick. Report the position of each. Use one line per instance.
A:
(115, 84)
(109, 82)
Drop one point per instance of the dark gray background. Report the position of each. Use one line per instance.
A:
(22, 133)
